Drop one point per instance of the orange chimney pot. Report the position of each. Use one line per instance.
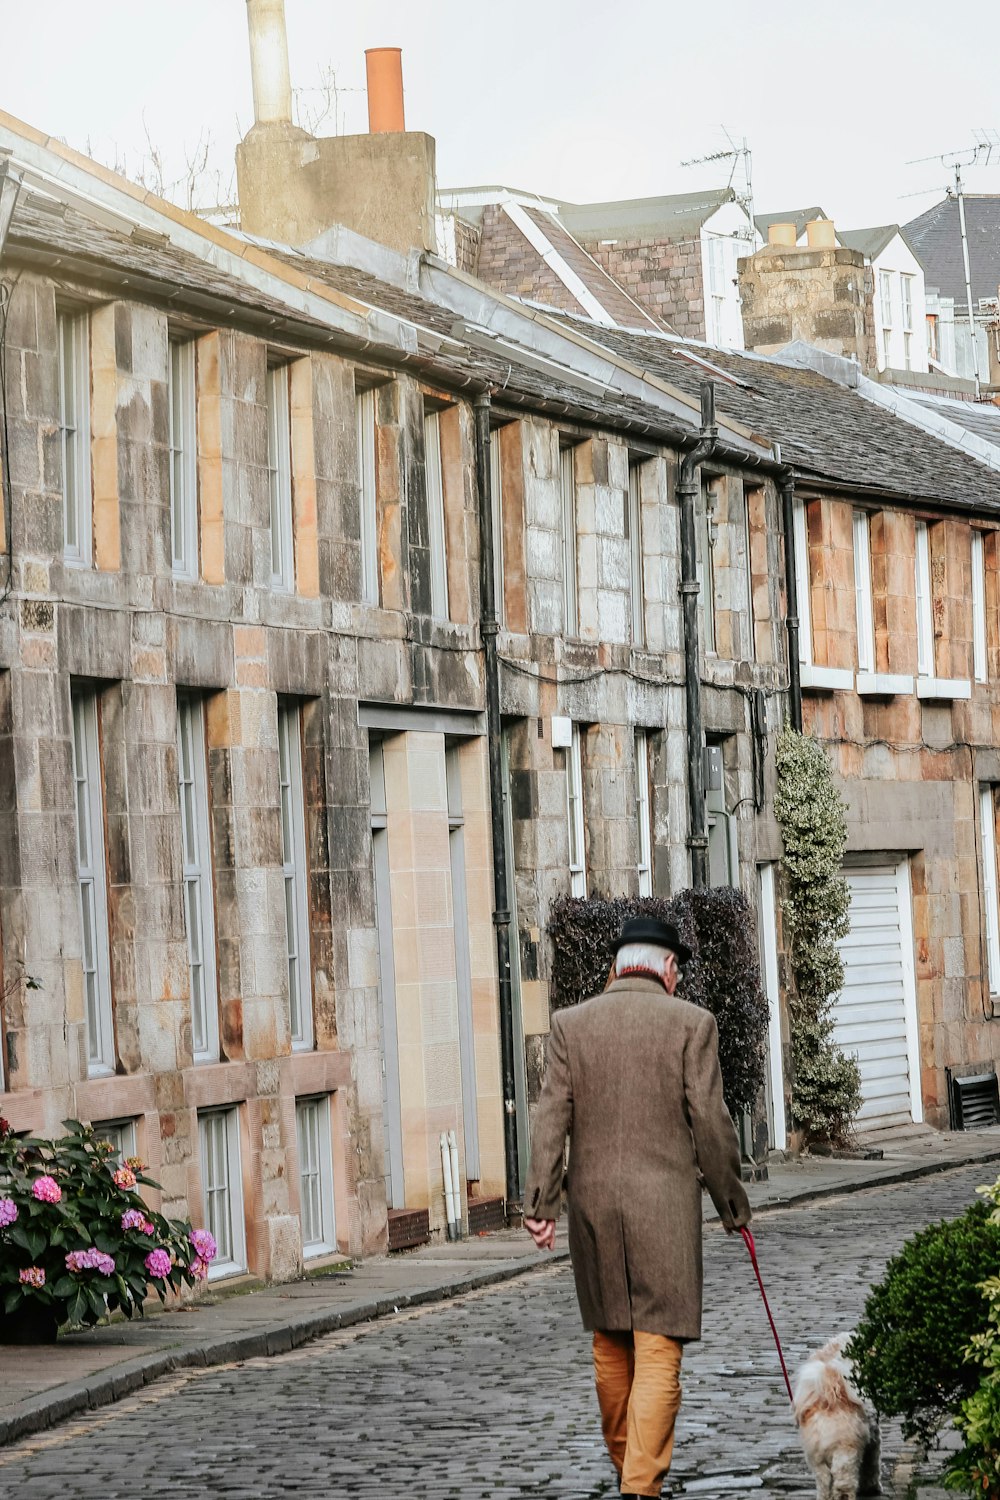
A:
(384, 66)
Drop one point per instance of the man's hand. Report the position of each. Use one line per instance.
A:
(543, 1232)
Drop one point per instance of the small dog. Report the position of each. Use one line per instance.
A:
(840, 1436)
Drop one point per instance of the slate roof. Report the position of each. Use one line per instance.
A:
(935, 237)
(673, 217)
(871, 242)
(980, 417)
(800, 217)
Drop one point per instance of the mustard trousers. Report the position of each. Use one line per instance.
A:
(639, 1392)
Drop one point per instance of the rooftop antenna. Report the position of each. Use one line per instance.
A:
(987, 144)
(741, 157)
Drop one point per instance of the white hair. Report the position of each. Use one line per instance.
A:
(642, 956)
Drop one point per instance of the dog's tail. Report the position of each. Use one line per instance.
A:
(819, 1387)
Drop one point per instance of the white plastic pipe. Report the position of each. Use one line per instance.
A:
(272, 84)
(456, 1182)
(449, 1185)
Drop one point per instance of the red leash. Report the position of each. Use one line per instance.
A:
(748, 1241)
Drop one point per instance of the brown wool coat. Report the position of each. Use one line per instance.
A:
(633, 1079)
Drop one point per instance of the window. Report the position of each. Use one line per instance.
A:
(296, 873)
(906, 290)
(987, 823)
(932, 337)
(496, 505)
(368, 495)
(567, 479)
(93, 884)
(222, 1179)
(312, 1123)
(199, 907)
(183, 460)
(719, 286)
(907, 351)
(979, 606)
(577, 836)
(463, 959)
(435, 515)
(863, 591)
(800, 542)
(643, 812)
(885, 297)
(279, 471)
(633, 535)
(925, 605)
(121, 1134)
(706, 569)
(74, 427)
(751, 637)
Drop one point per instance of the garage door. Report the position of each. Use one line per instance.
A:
(875, 1014)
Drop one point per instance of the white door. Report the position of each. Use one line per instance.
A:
(876, 1011)
(767, 926)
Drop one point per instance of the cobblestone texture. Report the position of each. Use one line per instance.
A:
(491, 1395)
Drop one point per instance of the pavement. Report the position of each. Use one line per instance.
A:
(42, 1386)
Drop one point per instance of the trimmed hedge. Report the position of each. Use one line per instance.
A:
(723, 976)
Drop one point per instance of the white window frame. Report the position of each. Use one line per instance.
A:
(803, 585)
(906, 299)
(864, 612)
(279, 474)
(924, 601)
(367, 495)
(570, 586)
(295, 875)
(317, 1213)
(633, 533)
(575, 814)
(119, 1133)
(73, 345)
(496, 507)
(222, 1186)
(181, 405)
(92, 879)
(979, 656)
(705, 568)
(199, 888)
(987, 826)
(434, 481)
(643, 812)
(885, 301)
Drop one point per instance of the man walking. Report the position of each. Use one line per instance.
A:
(633, 1079)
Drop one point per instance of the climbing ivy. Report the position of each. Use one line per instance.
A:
(826, 1084)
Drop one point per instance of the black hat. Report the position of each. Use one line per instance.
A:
(652, 930)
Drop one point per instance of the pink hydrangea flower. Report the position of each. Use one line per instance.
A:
(134, 1218)
(199, 1268)
(90, 1260)
(124, 1178)
(204, 1244)
(33, 1276)
(46, 1190)
(8, 1212)
(158, 1263)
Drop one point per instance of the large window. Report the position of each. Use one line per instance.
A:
(199, 906)
(219, 1131)
(296, 873)
(706, 568)
(183, 460)
(279, 470)
(979, 606)
(987, 824)
(643, 812)
(633, 535)
(577, 833)
(435, 515)
(74, 426)
(93, 884)
(496, 504)
(885, 297)
(863, 591)
(925, 602)
(368, 495)
(567, 479)
(312, 1123)
(803, 590)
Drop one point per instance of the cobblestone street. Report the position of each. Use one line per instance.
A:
(491, 1395)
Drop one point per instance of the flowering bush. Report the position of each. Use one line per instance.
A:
(76, 1240)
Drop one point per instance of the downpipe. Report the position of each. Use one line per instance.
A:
(448, 1179)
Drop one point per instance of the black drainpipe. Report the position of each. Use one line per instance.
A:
(688, 486)
(489, 627)
(787, 492)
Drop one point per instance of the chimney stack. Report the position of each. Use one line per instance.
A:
(272, 84)
(384, 68)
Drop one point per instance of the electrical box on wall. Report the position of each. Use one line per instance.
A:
(562, 732)
(713, 768)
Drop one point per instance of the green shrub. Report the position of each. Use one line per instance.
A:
(723, 975)
(976, 1470)
(918, 1321)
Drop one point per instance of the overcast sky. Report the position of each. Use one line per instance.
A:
(581, 99)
